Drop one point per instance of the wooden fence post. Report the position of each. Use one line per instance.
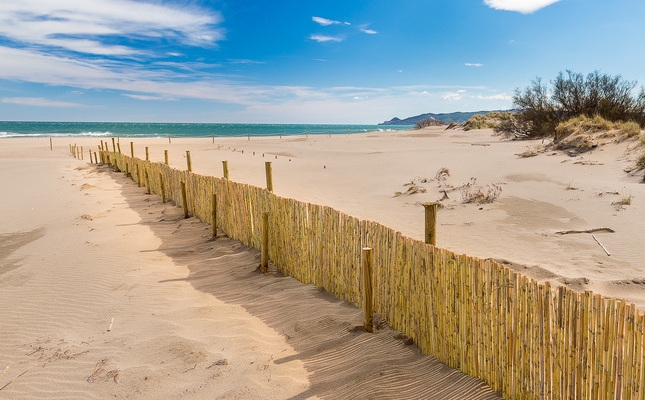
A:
(96, 158)
(184, 200)
(163, 188)
(225, 169)
(169, 138)
(51, 145)
(82, 153)
(147, 154)
(138, 176)
(269, 172)
(367, 289)
(132, 149)
(113, 145)
(264, 248)
(431, 223)
(214, 216)
(189, 163)
(118, 147)
(165, 156)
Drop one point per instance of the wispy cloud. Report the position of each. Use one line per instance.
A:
(326, 22)
(246, 61)
(369, 31)
(521, 6)
(325, 38)
(148, 97)
(477, 65)
(38, 102)
(103, 27)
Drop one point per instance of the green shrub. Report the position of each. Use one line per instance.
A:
(601, 98)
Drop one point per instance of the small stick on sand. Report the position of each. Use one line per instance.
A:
(110, 327)
(11, 381)
(603, 247)
(5, 370)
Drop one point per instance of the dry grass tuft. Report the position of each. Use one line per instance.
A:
(472, 193)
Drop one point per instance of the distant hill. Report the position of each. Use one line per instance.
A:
(458, 117)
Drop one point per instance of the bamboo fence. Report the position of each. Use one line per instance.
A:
(525, 339)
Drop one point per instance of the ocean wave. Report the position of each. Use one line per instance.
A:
(54, 134)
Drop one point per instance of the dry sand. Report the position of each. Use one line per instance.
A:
(83, 249)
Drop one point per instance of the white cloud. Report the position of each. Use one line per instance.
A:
(324, 38)
(325, 21)
(90, 27)
(502, 96)
(451, 96)
(521, 6)
(246, 61)
(476, 65)
(148, 98)
(369, 31)
(38, 102)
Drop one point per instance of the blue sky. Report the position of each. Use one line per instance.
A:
(332, 61)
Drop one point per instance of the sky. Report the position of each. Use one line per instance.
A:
(299, 61)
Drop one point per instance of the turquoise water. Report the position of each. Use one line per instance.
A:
(142, 129)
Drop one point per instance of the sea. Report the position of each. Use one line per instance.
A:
(154, 130)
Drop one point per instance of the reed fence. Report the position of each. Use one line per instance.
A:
(525, 339)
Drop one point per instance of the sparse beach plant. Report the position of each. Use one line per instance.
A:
(428, 122)
(630, 129)
(640, 163)
(480, 195)
(478, 121)
(625, 200)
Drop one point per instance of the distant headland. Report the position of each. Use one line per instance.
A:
(447, 118)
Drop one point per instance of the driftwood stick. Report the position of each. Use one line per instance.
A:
(586, 231)
(603, 247)
(110, 327)
(11, 381)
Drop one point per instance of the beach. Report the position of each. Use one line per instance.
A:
(107, 292)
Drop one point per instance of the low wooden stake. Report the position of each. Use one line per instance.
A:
(184, 199)
(132, 149)
(367, 289)
(431, 223)
(165, 156)
(51, 145)
(269, 173)
(225, 169)
(147, 154)
(113, 145)
(189, 163)
(264, 248)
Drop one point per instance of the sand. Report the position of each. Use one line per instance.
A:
(106, 292)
